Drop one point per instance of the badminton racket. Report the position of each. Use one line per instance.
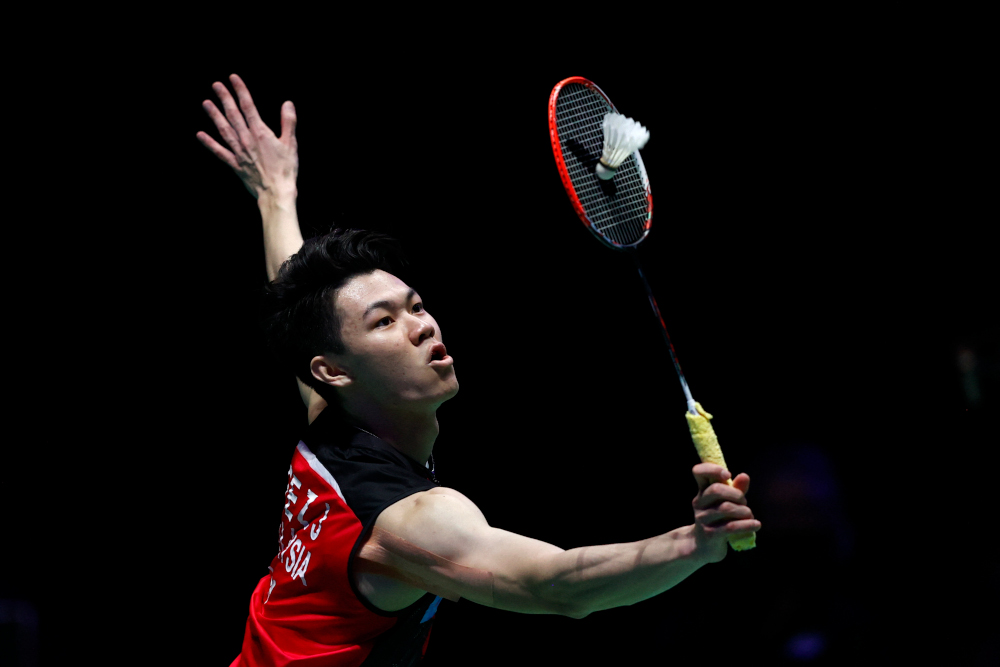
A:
(619, 212)
(617, 207)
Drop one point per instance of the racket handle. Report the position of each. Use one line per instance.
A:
(707, 444)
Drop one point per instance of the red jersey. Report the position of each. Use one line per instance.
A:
(306, 612)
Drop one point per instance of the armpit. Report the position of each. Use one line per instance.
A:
(391, 556)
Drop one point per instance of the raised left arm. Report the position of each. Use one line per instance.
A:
(268, 167)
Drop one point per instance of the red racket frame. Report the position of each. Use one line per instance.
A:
(564, 173)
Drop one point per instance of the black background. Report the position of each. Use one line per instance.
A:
(818, 250)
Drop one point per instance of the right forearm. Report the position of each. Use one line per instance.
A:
(282, 236)
(614, 575)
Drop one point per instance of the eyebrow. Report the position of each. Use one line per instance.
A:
(386, 303)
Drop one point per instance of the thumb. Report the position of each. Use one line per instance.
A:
(288, 120)
(742, 482)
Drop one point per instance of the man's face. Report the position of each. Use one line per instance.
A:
(394, 349)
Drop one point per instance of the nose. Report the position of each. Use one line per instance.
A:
(421, 330)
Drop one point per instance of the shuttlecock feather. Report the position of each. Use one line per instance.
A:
(622, 137)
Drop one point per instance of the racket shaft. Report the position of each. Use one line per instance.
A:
(666, 337)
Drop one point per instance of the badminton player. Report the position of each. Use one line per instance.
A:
(369, 542)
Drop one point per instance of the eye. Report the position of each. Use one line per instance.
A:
(418, 307)
(384, 322)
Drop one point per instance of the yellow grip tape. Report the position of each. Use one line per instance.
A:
(707, 444)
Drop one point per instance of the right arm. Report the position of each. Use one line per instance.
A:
(504, 570)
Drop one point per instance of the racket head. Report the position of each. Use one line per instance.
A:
(619, 212)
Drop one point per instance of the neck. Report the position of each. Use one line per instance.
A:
(412, 433)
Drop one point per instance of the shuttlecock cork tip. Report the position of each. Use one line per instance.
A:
(622, 137)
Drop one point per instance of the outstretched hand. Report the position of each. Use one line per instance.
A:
(266, 164)
(720, 510)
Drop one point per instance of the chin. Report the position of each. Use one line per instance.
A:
(450, 391)
(430, 398)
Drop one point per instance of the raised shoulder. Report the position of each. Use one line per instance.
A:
(440, 520)
(439, 541)
(449, 492)
(439, 500)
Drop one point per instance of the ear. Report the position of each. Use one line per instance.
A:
(328, 371)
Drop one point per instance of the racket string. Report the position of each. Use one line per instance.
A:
(623, 218)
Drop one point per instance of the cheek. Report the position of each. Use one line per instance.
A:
(386, 363)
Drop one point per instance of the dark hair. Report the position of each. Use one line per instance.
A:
(298, 316)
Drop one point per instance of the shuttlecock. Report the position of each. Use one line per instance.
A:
(622, 137)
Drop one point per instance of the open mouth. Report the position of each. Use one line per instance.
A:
(438, 353)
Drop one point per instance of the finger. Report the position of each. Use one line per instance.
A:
(225, 129)
(233, 114)
(246, 103)
(709, 473)
(727, 511)
(217, 150)
(742, 482)
(723, 521)
(288, 120)
(718, 493)
(711, 469)
(745, 527)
